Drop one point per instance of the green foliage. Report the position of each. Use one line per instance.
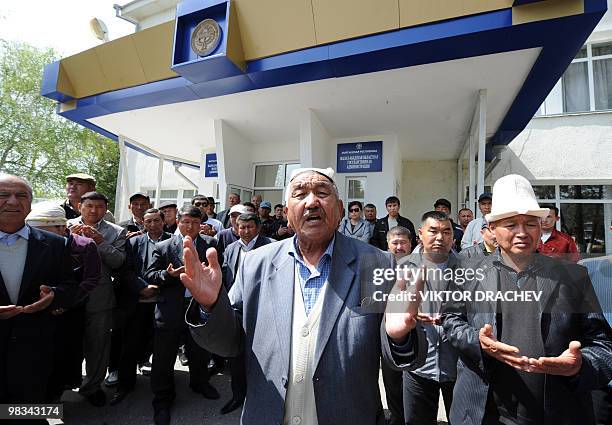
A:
(35, 142)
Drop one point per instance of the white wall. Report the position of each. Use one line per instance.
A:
(266, 152)
(234, 162)
(315, 143)
(561, 148)
(423, 183)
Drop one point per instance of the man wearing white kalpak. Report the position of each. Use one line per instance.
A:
(527, 361)
(301, 311)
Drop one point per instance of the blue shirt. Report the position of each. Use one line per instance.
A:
(600, 272)
(10, 238)
(312, 281)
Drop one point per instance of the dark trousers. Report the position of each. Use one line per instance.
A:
(165, 346)
(116, 345)
(68, 353)
(393, 382)
(137, 334)
(238, 371)
(602, 405)
(26, 362)
(421, 397)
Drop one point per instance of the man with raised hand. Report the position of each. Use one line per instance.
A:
(399, 244)
(532, 350)
(300, 311)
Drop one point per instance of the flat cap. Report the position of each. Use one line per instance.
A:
(167, 204)
(81, 176)
(140, 195)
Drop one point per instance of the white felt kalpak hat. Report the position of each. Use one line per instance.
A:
(46, 214)
(513, 195)
(325, 172)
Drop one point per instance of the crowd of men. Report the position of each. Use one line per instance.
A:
(282, 298)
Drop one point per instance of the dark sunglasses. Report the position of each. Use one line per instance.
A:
(354, 210)
(201, 204)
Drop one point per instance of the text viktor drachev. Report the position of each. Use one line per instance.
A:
(459, 276)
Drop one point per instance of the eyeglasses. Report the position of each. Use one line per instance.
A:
(354, 210)
(200, 204)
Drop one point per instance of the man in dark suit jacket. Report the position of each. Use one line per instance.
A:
(164, 272)
(382, 226)
(35, 278)
(139, 203)
(249, 230)
(137, 300)
(526, 361)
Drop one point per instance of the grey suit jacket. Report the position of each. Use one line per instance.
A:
(568, 400)
(348, 346)
(231, 257)
(112, 254)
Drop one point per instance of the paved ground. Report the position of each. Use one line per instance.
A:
(189, 408)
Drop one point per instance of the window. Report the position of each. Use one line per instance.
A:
(273, 196)
(587, 82)
(586, 192)
(270, 180)
(585, 223)
(585, 214)
(181, 197)
(269, 175)
(544, 192)
(602, 75)
(245, 194)
(355, 187)
(576, 88)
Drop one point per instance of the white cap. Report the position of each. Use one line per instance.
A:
(46, 214)
(238, 208)
(327, 172)
(513, 195)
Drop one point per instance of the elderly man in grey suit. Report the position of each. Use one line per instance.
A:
(301, 311)
(110, 240)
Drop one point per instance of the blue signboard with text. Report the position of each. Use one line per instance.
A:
(360, 157)
(210, 167)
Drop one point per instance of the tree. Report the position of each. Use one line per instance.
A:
(35, 142)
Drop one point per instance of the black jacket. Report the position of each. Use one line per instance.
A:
(224, 217)
(379, 235)
(130, 225)
(26, 340)
(169, 308)
(134, 268)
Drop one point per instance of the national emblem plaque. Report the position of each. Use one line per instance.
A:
(206, 37)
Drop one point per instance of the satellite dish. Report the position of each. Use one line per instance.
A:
(99, 29)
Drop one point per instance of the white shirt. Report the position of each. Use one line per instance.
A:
(249, 246)
(216, 224)
(12, 260)
(392, 222)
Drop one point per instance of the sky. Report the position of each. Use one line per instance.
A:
(60, 24)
